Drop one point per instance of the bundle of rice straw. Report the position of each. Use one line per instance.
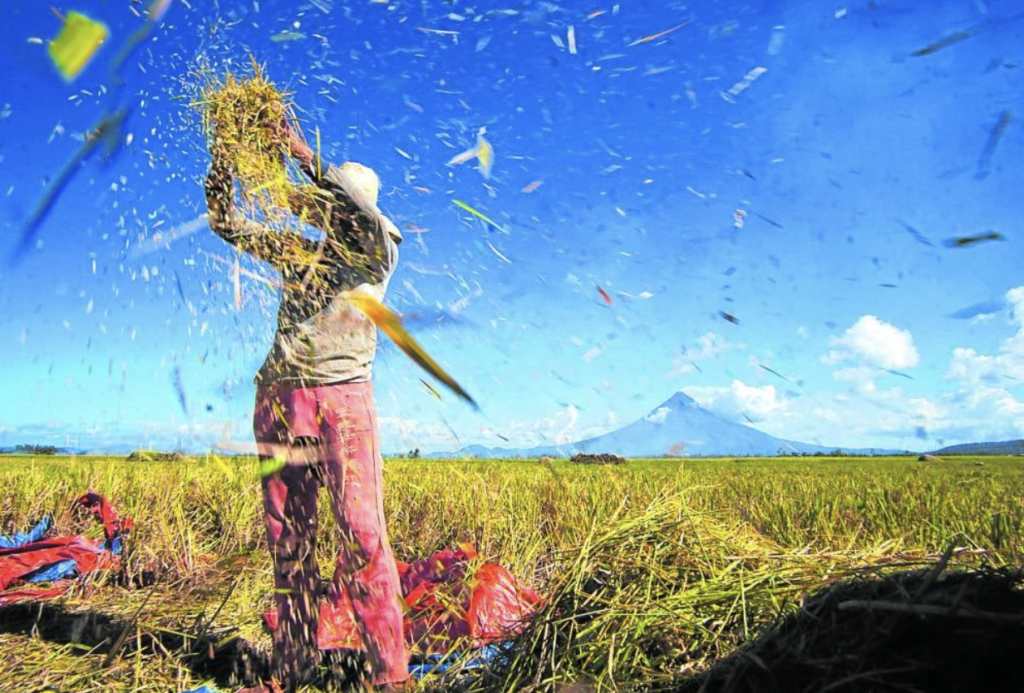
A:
(242, 121)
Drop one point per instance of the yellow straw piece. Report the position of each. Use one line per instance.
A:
(485, 154)
(479, 215)
(76, 43)
(388, 323)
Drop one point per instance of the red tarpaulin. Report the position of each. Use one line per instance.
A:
(19, 563)
(446, 602)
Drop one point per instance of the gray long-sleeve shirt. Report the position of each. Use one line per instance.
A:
(321, 339)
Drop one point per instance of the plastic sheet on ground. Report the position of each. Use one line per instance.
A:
(31, 557)
(437, 663)
(452, 605)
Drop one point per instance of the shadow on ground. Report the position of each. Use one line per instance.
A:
(214, 653)
(923, 631)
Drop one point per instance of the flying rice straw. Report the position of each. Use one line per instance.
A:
(241, 119)
(389, 324)
(242, 122)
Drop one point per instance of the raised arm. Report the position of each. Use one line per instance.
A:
(358, 234)
(275, 247)
(367, 238)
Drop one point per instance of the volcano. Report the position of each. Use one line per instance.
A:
(676, 428)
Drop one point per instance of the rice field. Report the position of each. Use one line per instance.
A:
(662, 566)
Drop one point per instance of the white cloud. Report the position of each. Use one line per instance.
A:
(874, 342)
(710, 345)
(195, 437)
(981, 374)
(984, 404)
(757, 401)
(861, 378)
(1012, 407)
(563, 426)
(826, 414)
(985, 381)
(1015, 297)
(740, 400)
(398, 434)
(926, 410)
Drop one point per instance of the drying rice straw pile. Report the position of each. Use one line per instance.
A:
(648, 600)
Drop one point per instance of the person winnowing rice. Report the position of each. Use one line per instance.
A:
(315, 409)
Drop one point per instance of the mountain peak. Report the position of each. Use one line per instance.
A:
(679, 400)
(678, 426)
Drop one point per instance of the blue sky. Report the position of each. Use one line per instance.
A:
(813, 119)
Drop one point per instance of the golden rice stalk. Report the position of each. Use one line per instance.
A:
(242, 119)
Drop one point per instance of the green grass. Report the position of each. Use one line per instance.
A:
(724, 544)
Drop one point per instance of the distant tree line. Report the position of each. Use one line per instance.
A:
(837, 453)
(36, 449)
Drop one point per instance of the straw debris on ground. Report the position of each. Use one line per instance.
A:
(646, 601)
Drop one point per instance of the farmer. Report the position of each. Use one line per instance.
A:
(315, 410)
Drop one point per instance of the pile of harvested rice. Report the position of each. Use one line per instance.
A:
(153, 456)
(673, 600)
(647, 599)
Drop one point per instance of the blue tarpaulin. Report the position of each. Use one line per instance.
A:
(35, 556)
(435, 664)
(55, 571)
(21, 538)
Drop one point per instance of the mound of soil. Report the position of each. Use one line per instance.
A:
(603, 458)
(150, 456)
(918, 631)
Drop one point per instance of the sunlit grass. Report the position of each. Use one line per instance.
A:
(701, 552)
